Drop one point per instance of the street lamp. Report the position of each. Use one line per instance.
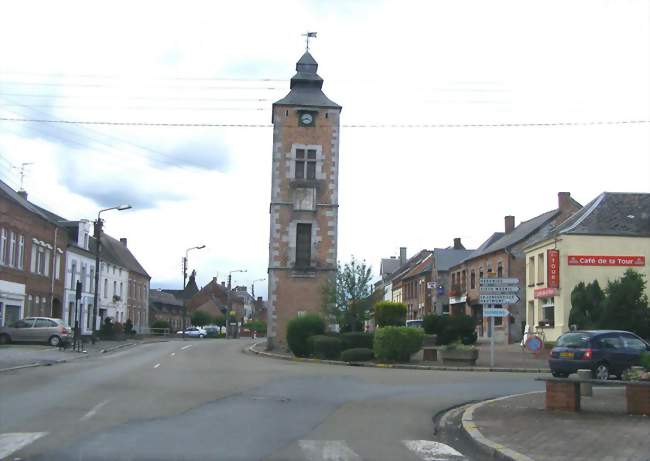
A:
(99, 224)
(230, 298)
(200, 247)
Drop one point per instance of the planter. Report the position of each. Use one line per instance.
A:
(637, 396)
(455, 356)
(429, 340)
(429, 354)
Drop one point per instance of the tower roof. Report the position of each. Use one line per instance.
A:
(306, 86)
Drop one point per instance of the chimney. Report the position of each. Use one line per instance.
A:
(23, 194)
(510, 223)
(457, 244)
(259, 299)
(223, 284)
(564, 201)
(214, 280)
(402, 256)
(123, 240)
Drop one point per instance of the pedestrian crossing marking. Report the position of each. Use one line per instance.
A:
(328, 450)
(432, 451)
(11, 442)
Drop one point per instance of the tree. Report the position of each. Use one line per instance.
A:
(586, 305)
(347, 297)
(626, 304)
(201, 318)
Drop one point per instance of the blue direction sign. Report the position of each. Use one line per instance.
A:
(498, 299)
(499, 289)
(495, 312)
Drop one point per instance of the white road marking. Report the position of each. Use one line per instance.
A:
(93, 411)
(186, 347)
(432, 451)
(156, 365)
(14, 441)
(327, 450)
(172, 354)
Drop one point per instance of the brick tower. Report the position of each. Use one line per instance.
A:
(304, 199)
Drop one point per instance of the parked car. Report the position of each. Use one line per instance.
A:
(194, 332)
(415, 323)
(36, 329)
(605, 352)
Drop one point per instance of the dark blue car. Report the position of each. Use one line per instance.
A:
(604, 352)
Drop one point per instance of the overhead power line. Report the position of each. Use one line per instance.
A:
(353, 125)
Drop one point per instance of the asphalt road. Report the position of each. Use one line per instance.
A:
(205, 399)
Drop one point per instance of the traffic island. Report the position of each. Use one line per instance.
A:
(519, 427)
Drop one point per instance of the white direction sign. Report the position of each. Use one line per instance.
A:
(499, 289)
(498, 282)
(498, 299)
(495, 312)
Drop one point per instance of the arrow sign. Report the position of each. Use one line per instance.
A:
(498, 299)
(498, 282)
(495, 312)
(498, 289)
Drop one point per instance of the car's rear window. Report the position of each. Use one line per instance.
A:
(573, 340)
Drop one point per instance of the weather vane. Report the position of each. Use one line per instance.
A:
(307, 36)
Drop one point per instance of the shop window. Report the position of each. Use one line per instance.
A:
(548, 311)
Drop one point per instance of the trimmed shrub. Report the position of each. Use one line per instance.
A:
(356, 339)
(396, 344)
(325, 347)
(456, 328)
(434, 324)
(645, 360)
(299, 329)
(201, 318)
(358, 354)
(388, 313)
(160, 324)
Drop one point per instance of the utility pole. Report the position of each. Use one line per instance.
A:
(200, 247)
(230, 299)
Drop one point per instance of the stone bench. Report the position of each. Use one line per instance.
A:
(564, 394)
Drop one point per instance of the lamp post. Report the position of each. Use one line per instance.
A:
(200, 247)
(230, 298)
(99, 224)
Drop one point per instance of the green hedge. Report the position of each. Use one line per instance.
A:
(388, 313)
(299, 329)
(358, 354)
(325, 347)
(396, 344)
(356, 339)
(451, 329)
(434, 324)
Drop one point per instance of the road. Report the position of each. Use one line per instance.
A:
(205, 399)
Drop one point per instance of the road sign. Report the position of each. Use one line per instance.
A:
(498, 282)
(499, 289)
(495, 312)
(498, 299)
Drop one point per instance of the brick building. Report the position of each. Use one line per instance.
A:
(503, 255)
(32, 254)
(443, 259)
(304, 199)
(415, 294)
(167, 307)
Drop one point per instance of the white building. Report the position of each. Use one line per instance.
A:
(113, 286)
(80, 266)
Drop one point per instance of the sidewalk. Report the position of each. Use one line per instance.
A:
(510, 356)
(601, 430)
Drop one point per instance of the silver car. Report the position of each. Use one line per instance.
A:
(36, 329)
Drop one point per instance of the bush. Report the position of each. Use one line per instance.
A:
(258, 325)
(299, 329)
(434, 324)
(160, 324)
(358, 354)
(325, 347)
(388, 313)
(201, 318)
(645, 360)
(356, 339)
(457, 328)
(128, 327)
(397, 344)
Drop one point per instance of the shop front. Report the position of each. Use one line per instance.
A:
(12, 302)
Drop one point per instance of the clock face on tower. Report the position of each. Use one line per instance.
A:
(306, 118)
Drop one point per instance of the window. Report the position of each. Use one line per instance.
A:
(472, 279)
(540, 268)
(21, 252)
(480, 273)
(499, 270)
(73, 275)
(121, 289)
(303, 245)
(12, 249)
(498, 321)
(92, 280)
(57, 268)
(305, 164)
(531, 271)
(44, 323)
(548, 309)
(86, 239)
(3, 245)
(46, 262)
(114, 287)
(84, 285)
(105, 288)
(632, 342)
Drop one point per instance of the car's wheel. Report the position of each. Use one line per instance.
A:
(201, 336)
(54, 341)
(559, 374)
(5, 339)
(601, 372)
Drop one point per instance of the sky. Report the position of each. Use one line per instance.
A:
(389, 63)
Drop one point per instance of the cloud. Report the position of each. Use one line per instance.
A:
(201, 154)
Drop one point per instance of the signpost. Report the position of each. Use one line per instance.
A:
(497, 291)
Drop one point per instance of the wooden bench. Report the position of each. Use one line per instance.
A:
(564, 394)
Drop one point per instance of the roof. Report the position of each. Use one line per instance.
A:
(118, 253)
(388, 266)
(611, 213)
(306, 86)
(445, 258)
(163, 297)
(425, 265)
(415, 259)
(15, 197)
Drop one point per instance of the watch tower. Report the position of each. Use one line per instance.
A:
(304, 200)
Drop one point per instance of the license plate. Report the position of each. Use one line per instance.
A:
(566, 355)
